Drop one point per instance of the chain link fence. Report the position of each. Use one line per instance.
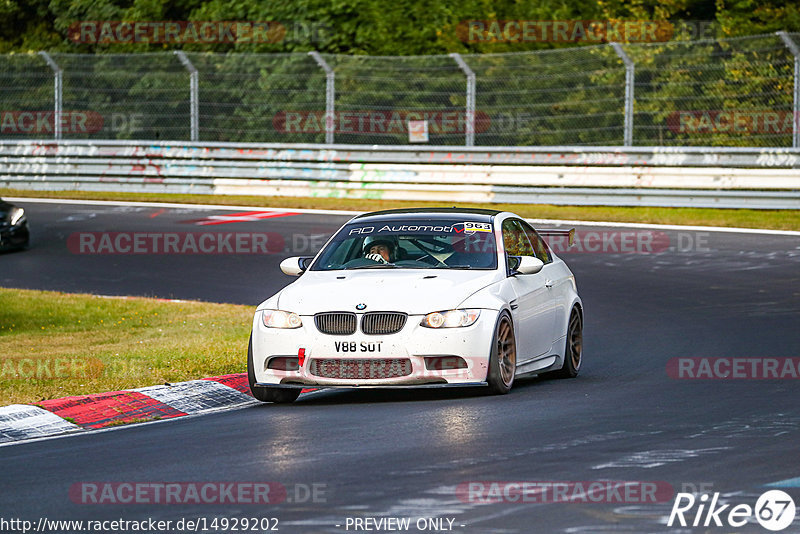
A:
(732, 92)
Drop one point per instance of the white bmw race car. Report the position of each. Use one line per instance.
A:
(419, 298)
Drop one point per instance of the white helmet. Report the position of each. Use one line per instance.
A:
(389, 241)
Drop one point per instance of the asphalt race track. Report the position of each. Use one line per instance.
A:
(408, 454)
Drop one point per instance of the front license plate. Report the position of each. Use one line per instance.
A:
(358, 347)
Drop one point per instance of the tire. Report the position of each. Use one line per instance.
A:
(503, 358)
(573, 347)
(265, 393)
(27, 244)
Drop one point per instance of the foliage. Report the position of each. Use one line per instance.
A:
(373, 27)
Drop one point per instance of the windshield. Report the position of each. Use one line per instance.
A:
(411, 244)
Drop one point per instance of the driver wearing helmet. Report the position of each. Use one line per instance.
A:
(379, 248)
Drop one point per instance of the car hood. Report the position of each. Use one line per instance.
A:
(416, 292)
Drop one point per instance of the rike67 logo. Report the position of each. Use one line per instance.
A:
(774, 510)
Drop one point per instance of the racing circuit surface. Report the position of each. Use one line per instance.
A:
(406, 454)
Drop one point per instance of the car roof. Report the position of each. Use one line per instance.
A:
(473, 214)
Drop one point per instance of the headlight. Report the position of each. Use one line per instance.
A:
(16, 215)
(281, 319)
(450, 319)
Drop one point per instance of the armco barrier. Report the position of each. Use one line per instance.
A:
(642, 176)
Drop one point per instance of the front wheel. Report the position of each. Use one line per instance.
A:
(503, 359)
(266, 393)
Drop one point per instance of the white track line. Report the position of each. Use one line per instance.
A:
(558, 222)
(175, 205)
(667, 227)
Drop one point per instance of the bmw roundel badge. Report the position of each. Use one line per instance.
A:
(361, 306)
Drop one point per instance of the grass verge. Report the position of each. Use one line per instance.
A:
(55, 344)
(771, 219)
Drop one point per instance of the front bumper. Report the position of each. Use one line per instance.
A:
(413, 343)
(380, 386)
(14, 237)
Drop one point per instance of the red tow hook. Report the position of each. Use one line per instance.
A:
(301, 357)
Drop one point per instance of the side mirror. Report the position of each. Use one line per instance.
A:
(529, 265)
(294, 266)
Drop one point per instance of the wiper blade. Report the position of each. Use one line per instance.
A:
(376, 266)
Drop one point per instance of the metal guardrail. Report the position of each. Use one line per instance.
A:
(538, 155)
(641, 176)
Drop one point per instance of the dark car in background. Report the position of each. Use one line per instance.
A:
(14, 232)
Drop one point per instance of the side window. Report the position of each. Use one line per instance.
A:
(540, 248)
(514, 239)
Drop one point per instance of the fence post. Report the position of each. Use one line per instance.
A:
(330, 93)
(194, 95)
(57, 93)
(629, 77)
(470, 118)
(796, 101)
